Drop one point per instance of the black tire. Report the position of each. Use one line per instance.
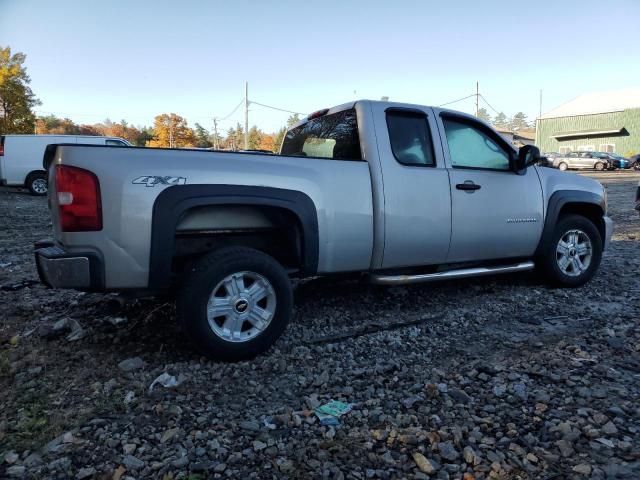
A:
(548, 261)
(35, 183)
(562, 166)
(198, 285)
(599, 166)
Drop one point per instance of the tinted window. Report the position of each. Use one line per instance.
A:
(116, 143)
(410, 138)
(332, 136)
(470, 147)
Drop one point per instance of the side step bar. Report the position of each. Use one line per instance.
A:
(451, 274)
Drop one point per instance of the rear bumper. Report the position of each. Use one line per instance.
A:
(58, 268)
(608, 231)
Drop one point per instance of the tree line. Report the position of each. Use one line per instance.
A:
(518, 122)
(169, 130)
(17, 115)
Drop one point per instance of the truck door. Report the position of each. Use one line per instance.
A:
(496, 212)
(416, 196)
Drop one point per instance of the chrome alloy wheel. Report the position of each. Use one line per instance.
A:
(241, 306)
(39, 185)
(573, 253)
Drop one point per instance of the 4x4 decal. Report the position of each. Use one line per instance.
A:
(152, 180)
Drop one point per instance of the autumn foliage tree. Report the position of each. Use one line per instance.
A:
(267, 142)
(50, 124)
(171, 130)
(134, 135)
(17, 100)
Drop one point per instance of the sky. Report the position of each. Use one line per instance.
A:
(132, 60)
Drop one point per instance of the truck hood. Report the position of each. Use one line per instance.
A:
(553, 180)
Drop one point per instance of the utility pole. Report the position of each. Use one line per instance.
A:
(215, 133)
(477, 96)
(540, 104)
(170, 132)
(246, 115)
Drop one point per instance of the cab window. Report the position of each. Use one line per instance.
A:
(115, 143)
(410, 138)
(470, 147)
(334, 136)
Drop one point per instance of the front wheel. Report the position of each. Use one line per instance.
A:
(574, 252)
(234, 303)
(563, 166)
(37, 184)
(599, 166)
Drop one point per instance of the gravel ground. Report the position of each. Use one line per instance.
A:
(497, 378)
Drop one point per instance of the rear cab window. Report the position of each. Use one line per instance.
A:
(115, 143)
(410, 138)
(333, 136)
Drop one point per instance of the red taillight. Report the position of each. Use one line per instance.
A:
(1, 150)
(78, 199)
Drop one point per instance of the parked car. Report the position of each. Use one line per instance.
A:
(615, 161)
(634, 162)
(551, 155)
(402, 193)
(546, 159)
(579, 161)
(21, 157)
(638, 198)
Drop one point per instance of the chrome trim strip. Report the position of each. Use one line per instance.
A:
(460, 273)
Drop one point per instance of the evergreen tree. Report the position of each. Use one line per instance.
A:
(484, 115)
(203, 139)
(277, 139)
(518, 121)
(500, 120)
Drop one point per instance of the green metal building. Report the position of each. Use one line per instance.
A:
(603, 121)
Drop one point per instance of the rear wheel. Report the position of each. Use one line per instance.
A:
(574, 252)
(37, 184)
(563, 166)
(235, 303)
(599, 166)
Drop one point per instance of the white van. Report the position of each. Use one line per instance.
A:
(21, 157)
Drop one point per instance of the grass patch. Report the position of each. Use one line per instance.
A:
(35, 426)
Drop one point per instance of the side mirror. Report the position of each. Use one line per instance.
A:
(527, 155)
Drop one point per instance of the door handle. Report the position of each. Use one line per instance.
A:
(468, 186)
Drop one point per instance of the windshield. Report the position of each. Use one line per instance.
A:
(333, 136)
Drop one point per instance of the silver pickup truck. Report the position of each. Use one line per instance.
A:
(402, 193)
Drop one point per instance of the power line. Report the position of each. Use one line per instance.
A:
(458, 100)
(232, 111)
(276, 108)
(489, 105)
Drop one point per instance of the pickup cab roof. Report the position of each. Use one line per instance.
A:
(348, 105)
